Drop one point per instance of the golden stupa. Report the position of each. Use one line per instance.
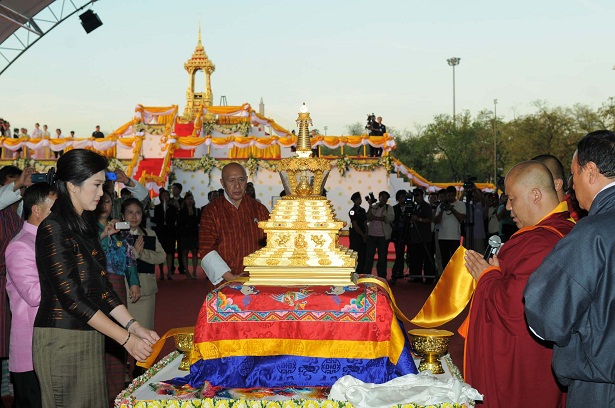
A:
(302, 233)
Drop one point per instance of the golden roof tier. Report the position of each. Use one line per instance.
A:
(302, 233)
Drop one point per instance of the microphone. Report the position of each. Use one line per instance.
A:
(494, 245)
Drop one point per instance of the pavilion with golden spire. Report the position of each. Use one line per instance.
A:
(195, 101)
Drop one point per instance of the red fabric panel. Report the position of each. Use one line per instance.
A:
(184, 129)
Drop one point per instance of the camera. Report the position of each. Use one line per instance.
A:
(409, 205)
(43, 177)
(370, 198)
(469, 186)
(110, 175)
(122, 225)
(468, 183)
(445, 205)
(371, 122)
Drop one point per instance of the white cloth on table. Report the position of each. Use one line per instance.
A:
(423, 388)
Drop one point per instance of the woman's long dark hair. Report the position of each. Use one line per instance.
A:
(76, 166)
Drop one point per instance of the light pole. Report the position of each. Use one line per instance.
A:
(495, 146)
(324, 127)
(453, 62)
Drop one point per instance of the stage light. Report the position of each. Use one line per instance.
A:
(90, 21)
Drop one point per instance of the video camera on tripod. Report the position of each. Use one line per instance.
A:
(469, 186)
(371, 122)
(410, 206)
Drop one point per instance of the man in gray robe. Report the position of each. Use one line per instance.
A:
(570, 298)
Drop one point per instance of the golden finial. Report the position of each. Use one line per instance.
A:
(304, 147)
(199, 33)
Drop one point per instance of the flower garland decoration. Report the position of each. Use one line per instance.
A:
(208, 125)
(244, 128)
(35, 164)
(345, 163)
(207, 163)
(252, 166)
(115, 164)
(125, 399)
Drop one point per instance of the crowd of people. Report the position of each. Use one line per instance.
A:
(426, 229)
(37, 132)
(79, 266)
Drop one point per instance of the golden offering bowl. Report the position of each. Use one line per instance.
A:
(185, 343)
(430, 345)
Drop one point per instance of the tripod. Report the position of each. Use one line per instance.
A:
(427, 253)
(469, 221)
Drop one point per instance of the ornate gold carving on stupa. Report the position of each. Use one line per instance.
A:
(302, 233)
(199, 61)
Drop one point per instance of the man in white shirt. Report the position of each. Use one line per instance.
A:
(449, 215)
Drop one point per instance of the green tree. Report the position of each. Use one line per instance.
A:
(548, 131)
(355, 129)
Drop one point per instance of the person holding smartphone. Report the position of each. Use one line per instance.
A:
(121, 272)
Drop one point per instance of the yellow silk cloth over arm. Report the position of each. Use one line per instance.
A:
(157, 347)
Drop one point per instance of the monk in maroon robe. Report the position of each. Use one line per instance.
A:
(503, 359)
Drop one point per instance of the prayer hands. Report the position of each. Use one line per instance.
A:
(476, 264)
(139, 243)
(135, 293)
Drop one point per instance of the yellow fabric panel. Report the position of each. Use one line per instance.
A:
(309, 348)
(450, 296)
(191, 141)
(271, 152)
(227, 110)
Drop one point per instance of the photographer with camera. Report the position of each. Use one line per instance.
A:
(399, 236)
(375, 127)
(380, 216)
(358, 230)
(475, 216)
(421, 249)
(449, 216)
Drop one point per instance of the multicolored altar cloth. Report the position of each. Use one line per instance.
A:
(301, 336)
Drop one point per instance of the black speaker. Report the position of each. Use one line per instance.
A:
(90, 21)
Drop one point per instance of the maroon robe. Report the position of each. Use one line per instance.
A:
(503, 360)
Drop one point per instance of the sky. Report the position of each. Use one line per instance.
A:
(344, 59)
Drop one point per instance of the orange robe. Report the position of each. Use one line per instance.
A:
(503, 360)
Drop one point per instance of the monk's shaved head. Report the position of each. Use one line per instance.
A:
(531, 193)
(533, 174)
(556, 168)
